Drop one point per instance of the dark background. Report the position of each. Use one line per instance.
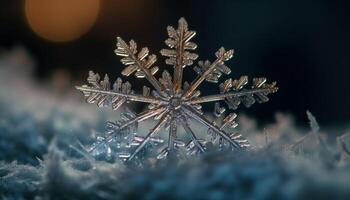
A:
(303, 45)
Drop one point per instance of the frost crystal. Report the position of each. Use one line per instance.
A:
(172, 102)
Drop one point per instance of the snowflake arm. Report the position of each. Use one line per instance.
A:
(222, 56)
(138, 62)
(100, 92)
(172, 135)
(179, 40)
(193, 137)
(154, 130)
(193, 114)
(132, 97)
(139, 118)
(258, 91)
(221, 97)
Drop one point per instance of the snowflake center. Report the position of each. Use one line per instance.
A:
(175, 103)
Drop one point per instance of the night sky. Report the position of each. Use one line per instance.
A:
(303, 45)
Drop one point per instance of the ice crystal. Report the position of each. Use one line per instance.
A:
(173, 102)
(123, 141)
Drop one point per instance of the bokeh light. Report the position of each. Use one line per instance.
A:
(61, 20)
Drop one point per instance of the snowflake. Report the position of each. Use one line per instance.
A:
(172, 102)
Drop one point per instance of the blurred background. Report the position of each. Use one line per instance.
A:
(303, 45)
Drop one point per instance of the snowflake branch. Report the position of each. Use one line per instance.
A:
(220, 97)
(149, 135)
(193, 137)
(131, 97)
(141, 117)
(172, 134)
(234, 93)
(138, 63)
(222, 56)
(180, 41)
(192, 113)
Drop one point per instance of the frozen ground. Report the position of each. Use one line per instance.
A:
(40, 156)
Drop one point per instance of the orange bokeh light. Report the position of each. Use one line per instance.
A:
(61, 20)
